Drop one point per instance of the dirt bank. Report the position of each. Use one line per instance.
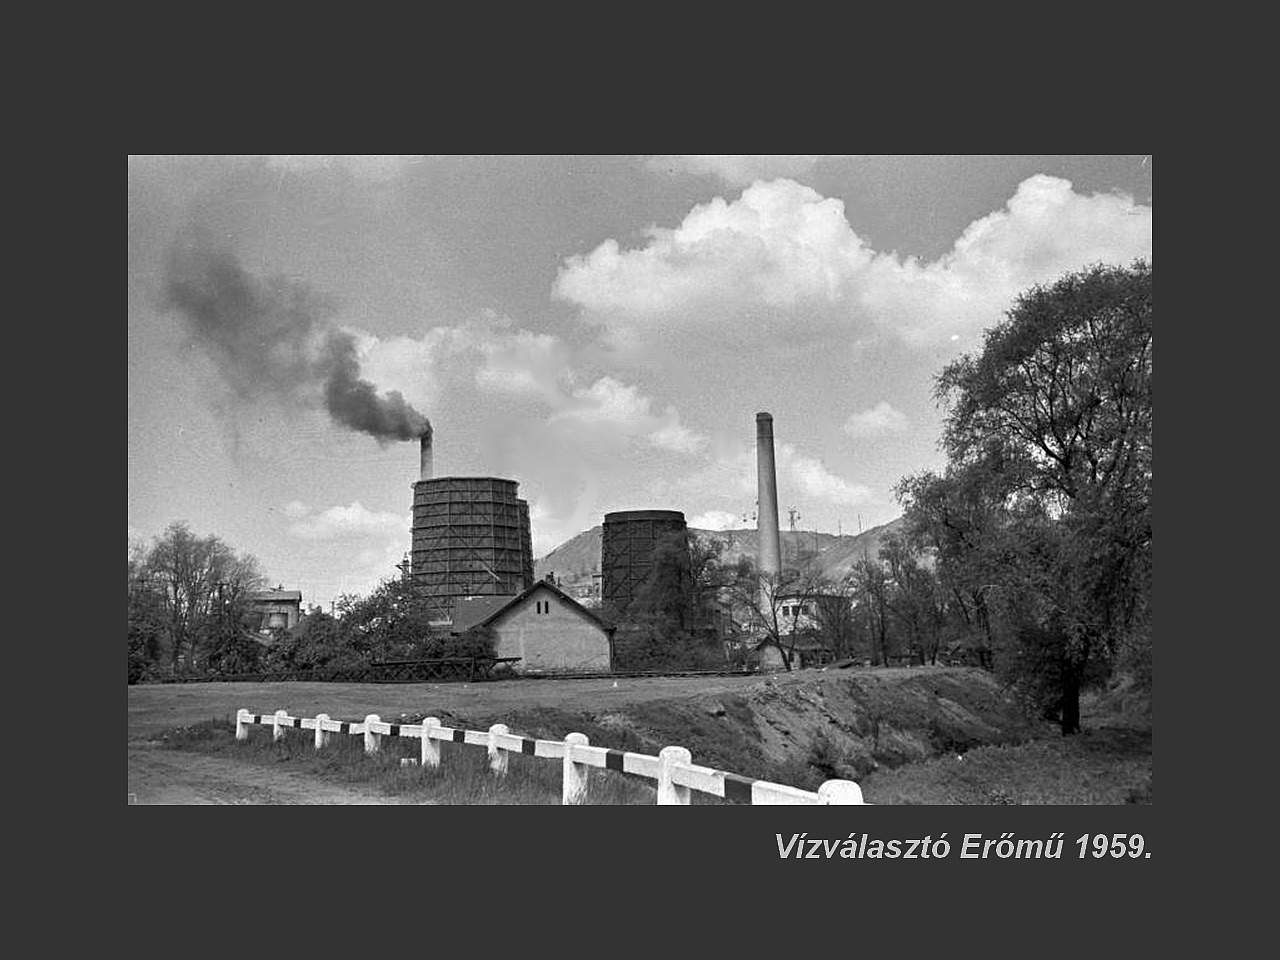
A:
(809, 724)
(797, 728)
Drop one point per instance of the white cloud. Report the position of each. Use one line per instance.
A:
(523, 363)
(716, 520)
(882, 420)
(811, 478)
(738, 170)
(801, 479)
(489, 352)
(621, 409)
(355, 520)
(296, 509)
(781, 260)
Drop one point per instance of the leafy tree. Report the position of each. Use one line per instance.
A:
(187, 593)
(764, 598)
(955, 516)
(836, 616)
(1050, 426)
(316, 641)
(871, 583)
(146, 620)
(668, 623)
(914, 598)
(393, 622)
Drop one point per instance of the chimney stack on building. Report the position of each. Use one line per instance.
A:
(767, 492)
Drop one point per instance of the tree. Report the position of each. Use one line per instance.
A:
(668, 623)
(1051, 425)
(836, 614)
(192, 591)
(391, 623)
(870, 583)
(146, 619)
(915, 598)
(765, 598)
(955, 516)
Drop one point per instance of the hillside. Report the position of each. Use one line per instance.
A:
(578, 558)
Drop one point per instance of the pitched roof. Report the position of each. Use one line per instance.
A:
(263, 596)
(470, 611)
(512, 602)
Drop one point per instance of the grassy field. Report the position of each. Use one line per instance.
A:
(172, 742)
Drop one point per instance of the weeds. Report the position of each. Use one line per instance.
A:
(463, 776)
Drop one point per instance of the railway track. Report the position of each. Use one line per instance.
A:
(444, 670)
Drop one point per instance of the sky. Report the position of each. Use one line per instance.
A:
(602, 329)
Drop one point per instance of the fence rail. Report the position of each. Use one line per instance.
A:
(673, 768)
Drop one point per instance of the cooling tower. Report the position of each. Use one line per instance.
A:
(471, 537)
(626, 550)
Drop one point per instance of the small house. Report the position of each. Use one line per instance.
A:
(276, 609)
(547, 629)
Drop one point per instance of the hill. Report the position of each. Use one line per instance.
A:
(579, 558)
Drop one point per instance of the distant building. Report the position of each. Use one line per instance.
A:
(547, 629)
(584, 588)
(768, 657)
(276, 609)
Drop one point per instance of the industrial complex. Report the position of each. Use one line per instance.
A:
(472, 560)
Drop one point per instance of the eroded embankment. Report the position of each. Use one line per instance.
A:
(803, 727)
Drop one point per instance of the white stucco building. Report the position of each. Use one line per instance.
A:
(545, 627)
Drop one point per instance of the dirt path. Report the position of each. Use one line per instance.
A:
(160, 776)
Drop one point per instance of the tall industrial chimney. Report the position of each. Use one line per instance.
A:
(767, 492)
(425, 470)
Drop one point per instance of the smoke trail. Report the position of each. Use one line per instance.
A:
(275, 337)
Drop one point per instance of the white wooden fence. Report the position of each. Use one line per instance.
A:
(672, 768)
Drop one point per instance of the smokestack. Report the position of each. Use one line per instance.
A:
(425, 470)
(767, 492)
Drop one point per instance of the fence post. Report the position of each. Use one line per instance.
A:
(575, 774)
(322, 735)
(841, 792)
(430, 747)
(497, 756)
(372, 741)
(242, 728)
(277, 731)
(668, 791)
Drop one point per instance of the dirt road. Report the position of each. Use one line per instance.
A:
(160, 776)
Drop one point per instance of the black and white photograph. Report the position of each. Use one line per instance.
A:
(640, 480)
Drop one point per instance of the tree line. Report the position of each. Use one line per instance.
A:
(1029, 554)
(191, 613)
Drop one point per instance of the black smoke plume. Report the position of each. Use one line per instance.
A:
(275, 337)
